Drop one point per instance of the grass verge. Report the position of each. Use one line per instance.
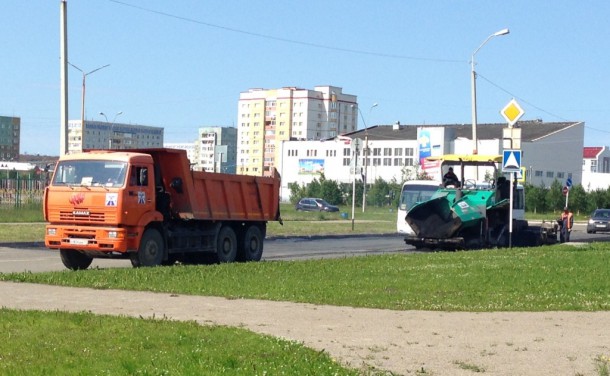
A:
(561, 277)
(55, 343)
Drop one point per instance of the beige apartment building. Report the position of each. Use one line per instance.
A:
(268, 117)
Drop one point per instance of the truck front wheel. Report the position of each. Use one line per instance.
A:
(252, 244)
(75, 260)
(226, 245)
(150, 252)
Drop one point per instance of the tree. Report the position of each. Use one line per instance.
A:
(536, 198)
(378, 192)
(577, 200)
(555, 198)
(414, 173)
(297, 192)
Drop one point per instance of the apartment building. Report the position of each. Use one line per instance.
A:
(104, 135)
(10, 131)
(267, 117)
(217, 149)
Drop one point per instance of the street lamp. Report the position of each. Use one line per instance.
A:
(365, 154)
(473, 85)
(111, 126)
(82, 110)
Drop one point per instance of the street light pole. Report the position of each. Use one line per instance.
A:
(365, 154)
(473, 86)
(111, 126)
(82, 110)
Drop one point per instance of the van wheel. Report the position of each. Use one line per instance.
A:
(150, 252)
(75, 260)
(226, 245)
(252, 244)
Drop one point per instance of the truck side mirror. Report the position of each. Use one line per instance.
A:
(176, 184)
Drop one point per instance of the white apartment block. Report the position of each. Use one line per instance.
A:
(189, 147)
(213, 151)
(266, 118)
(103, 135)
(217, 149)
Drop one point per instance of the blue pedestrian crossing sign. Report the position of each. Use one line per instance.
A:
(511, 161)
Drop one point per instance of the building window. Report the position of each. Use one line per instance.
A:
(398, 152)
(538, 173)
(550, 174)
(387, 152)
(387, 161)
(560, 175)
(398, 161)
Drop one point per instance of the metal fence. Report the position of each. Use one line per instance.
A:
(19, 191)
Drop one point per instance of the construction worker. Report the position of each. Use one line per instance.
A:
(450, 178)
(567, 221)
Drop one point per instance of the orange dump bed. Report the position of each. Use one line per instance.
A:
(215, 196)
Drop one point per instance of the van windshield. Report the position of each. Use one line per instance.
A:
(90, 173)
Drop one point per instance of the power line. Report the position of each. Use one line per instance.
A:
(286, 40)
(521, 99)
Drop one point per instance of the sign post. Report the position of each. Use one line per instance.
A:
(511, 163)
(512, 112)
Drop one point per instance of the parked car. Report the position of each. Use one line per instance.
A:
(315, 204)
(599, 221)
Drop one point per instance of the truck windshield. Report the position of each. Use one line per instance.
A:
(90, 173)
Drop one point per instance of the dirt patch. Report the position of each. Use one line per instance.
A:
(404, 342)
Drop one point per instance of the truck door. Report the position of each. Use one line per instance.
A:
(140, 197)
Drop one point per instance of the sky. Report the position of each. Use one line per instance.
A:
(181, 64)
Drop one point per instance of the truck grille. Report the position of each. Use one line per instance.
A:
(92, 217)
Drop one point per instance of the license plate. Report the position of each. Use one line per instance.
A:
(600, 226)
(77, 241)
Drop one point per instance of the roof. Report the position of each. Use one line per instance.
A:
(591, 152)
(530, 130)
(477, 158)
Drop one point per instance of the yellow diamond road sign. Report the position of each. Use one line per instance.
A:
(512, 112)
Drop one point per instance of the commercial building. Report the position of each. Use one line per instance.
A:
(268, 117)
(550, 151)
(103, 135)
(10, 133)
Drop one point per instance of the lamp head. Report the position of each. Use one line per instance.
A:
(501, 32)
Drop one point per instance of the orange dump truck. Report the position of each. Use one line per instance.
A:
(147, 205)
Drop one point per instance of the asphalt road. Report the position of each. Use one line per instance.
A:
(36, 258)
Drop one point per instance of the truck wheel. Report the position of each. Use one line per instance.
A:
(252, 244)
(226, 245)
(150, 252)
(75, 260)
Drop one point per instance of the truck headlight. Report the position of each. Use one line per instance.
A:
(52, 231)
(591, 221)
(112, 234)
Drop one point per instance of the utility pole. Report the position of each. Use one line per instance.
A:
(63, 73)
(365, 154)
